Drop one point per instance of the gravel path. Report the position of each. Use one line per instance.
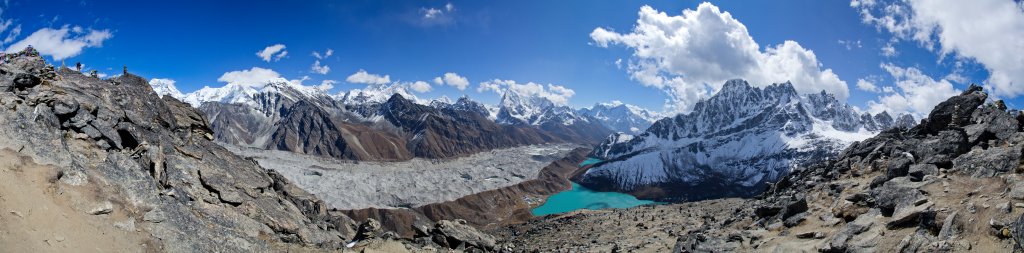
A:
(345, 184)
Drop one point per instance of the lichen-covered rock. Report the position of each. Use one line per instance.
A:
(989, 162)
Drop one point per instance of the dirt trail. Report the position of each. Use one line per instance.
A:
(41, 214)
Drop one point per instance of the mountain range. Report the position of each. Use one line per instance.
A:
(381, 122)
(620, 117)
(732, 144)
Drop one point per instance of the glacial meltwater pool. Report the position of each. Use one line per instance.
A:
(583, 198)
(580, 197)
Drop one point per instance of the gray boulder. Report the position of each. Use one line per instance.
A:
(956, 111)
(990, 162)
(917, 172)
(941, 148)
(457, 233)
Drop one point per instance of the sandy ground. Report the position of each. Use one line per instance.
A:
(40, 214)
(348, 184)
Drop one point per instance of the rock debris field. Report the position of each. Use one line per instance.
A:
(347, 184)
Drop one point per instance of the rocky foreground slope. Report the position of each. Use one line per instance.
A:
(952, 183)
(107, 165)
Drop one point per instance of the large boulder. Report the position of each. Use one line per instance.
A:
(1017, 232)
(989, 162)
(940, 148)
(956, 111)
(24, 81)
(895, 194)
(991, 122)
(454, 234)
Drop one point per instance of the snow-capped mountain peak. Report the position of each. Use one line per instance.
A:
(228, 94)
(164, 87)
(621, 117)
(238, 93)
(375, 94)
(736, 141)
(517, 108)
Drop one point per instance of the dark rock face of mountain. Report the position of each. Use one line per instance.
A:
(731, 144)
(286, 119)
(153, 159)
(308, 129)
(456, 131)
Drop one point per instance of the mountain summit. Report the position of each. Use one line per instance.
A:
(731, 144)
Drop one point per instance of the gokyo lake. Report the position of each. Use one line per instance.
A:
(580, 197)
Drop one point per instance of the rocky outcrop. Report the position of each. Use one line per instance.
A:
(154, 159)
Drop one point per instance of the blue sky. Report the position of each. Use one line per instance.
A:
(546, 42)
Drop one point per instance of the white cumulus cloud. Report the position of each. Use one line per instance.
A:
(987, 31)
(273, 52)
(439, 16)
(326, 85)
(420, 86)
(60, 44)
(917, 92)
(452, 79)
(254, 77)
(362, 76)
(694, 53)
(326, 54)
(319, 69)
(866, 85)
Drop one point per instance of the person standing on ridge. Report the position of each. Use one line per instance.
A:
(125, 69)
(78, 66)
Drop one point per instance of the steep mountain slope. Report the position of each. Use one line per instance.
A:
(117, 155)
(452, 131)
(558, 120)
(950, 184)
(731, 144)
(283, 116)
(619, 117)
(308, 129)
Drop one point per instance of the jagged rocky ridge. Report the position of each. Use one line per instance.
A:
(153, 159)
(731, 144)
(620, 117)
(561, 121)
(950, 184)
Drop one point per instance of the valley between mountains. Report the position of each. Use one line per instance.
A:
(131, 165)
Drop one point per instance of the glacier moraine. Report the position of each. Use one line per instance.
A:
(346, 184)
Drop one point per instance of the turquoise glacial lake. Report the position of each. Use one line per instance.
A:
(582, 198)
